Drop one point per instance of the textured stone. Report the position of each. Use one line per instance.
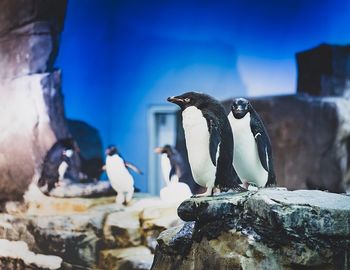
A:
(73, 238)
(33, 118)
(122, 229)
(80, 248)
(26, 51)
(324, 71)
(310, 140)
(133, 258)
(29, 36)
(16, 13)
(77, 238)
(158, 211)
(155, 219)
(16, 255)
(79, 230)
(30, 90)
(14, 228)
(73, 190)
(305, 212)
(267, 229)
(43, 205)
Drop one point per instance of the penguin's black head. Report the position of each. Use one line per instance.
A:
(67, 144)
(166, 149)
(111, 150)
(198, 100)
(240, 107)
(69, 147)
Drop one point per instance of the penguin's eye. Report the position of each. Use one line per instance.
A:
(187, 100)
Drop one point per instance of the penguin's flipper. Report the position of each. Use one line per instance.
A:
(262, 150)
(214, 139)
(264, 147)
(262, 141)
(132, 167)
(172, 172)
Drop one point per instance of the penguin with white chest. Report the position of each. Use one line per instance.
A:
(209, 141)
(252, 155)
(175, 175)
(56, 163)
(120, 178)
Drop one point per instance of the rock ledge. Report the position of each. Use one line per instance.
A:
(267, 229)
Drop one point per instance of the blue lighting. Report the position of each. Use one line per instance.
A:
(119, 57)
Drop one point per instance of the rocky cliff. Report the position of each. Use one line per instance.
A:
(31, 102)
(267, 229)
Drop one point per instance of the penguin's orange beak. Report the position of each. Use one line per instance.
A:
(158, 150)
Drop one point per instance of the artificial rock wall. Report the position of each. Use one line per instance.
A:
(324, 71)
(31, 105)
(267, 229)
(310, 139)
(310, 131)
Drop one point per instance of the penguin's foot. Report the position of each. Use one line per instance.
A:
(60, 184)
(119, 200)
(209, 192)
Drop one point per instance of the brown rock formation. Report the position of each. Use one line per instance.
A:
(31, 107)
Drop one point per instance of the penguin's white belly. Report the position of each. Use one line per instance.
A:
(62, 170)
(245, 155)
(197, 143)
(119, 177)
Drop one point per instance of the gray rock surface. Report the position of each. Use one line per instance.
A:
(87, 233)
(31, 107)
(122, 229)
(16, 255)
(310, 140)
(324, 71)
(88, 190)
(267, 229)
(29, 36)
(132, 258)
(32, 119)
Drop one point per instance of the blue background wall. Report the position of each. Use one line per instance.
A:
(119, 57)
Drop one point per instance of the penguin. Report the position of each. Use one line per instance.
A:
(174, 171)
(209, 142)
(120, 178)
(252, 155)
(56, 163)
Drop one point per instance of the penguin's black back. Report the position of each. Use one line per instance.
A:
(226, 176)
(178, 165)
(52, 161)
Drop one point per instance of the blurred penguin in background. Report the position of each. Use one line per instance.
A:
(119, 176)
(173, 171)
(56, 164)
